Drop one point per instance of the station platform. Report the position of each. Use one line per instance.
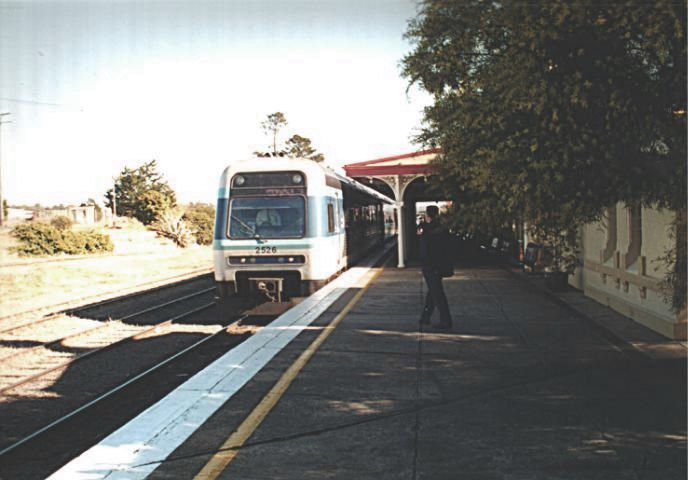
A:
(521, 387)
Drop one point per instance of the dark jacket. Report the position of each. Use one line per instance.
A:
(436, 251)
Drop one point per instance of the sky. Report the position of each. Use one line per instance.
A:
(94, 86)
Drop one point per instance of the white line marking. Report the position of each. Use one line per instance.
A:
(160, 429)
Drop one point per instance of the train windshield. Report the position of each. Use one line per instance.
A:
(267, 217)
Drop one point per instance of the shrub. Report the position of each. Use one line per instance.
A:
(201, 219)
(44, 239)
(171, 225)
(62, 222)
(37, 239)
(75, 243)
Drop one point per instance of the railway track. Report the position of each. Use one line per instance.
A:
(51, 355)
(39, 365)
(233, 326)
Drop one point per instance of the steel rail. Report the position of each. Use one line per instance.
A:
(118, 388)
(117, 343)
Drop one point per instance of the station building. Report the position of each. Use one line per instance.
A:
(620, 258)
(622, 266)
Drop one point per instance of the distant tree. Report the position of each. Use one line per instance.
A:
(141, 193)
(298, 146)
(272, 125)
(152, 204)
(5, 208)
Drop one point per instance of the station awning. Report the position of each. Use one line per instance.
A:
(416, 163)
(397, 172)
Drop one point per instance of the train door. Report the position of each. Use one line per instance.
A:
(339, 222)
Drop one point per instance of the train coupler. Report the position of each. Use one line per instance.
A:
(272, 288)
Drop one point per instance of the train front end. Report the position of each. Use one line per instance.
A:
(266, 221)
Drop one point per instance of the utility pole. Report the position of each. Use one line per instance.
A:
(2, 203)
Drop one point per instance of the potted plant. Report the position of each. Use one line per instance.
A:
(561, 250)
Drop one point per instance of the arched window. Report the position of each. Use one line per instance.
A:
(610, 226)
(635, 235)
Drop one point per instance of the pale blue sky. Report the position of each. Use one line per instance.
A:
(188, 83)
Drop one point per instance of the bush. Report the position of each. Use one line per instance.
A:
(43, 239)
(75, 243)
(62, 222)
(37, 239)
(170, 225)
(201, 218)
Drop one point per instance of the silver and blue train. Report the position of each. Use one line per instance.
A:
(284, 227)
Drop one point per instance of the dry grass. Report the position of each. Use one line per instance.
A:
(139, 258)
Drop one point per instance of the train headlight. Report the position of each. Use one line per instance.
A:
(239, 181)
(297, 179)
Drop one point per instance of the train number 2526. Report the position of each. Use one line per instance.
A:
(264, 250)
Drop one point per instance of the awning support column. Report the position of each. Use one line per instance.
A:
(400, 234)
(401, 218)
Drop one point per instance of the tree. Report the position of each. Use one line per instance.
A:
(152, 204)
(296, 146)
(300, 147)
(272, 125)
(552, 111)
(141, 193)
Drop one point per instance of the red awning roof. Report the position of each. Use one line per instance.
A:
(408, 164)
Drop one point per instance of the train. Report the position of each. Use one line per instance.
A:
(284, 227)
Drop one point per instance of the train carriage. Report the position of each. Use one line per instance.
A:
(284, 226)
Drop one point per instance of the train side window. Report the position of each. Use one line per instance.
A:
(330, 218)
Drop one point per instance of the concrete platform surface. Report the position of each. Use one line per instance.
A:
(522, 387)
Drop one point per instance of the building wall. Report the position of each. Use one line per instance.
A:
(19, 214)
(81, 215)
(621, 267)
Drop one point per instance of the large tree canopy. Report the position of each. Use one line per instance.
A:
(553, 110)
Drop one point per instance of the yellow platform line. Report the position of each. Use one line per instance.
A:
(229, 449)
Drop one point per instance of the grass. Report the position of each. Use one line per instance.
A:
(139, 257)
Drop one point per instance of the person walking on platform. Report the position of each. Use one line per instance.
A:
(436, 262)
